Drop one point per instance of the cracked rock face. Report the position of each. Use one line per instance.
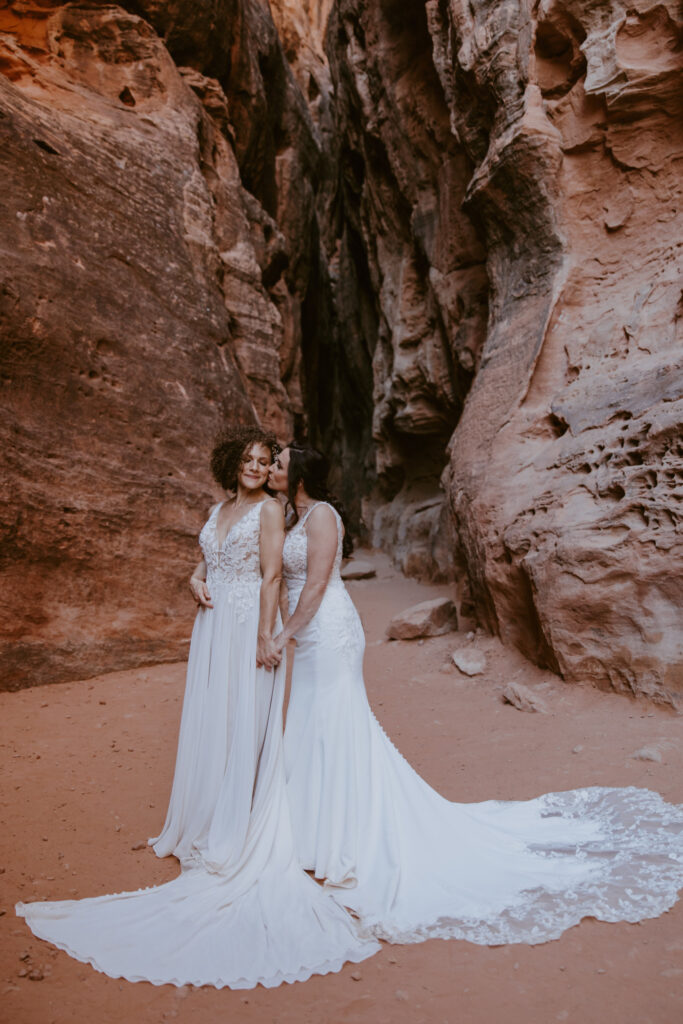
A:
(146, 297)
(566, 467)
(420, 257)
(441, 237)
(518, 182)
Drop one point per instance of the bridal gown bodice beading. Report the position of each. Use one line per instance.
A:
(242, 911)
(336, 624)
(233, 568)
(411, 864)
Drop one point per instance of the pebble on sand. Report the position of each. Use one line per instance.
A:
(470, 663)
(648, 754)
(523, 698)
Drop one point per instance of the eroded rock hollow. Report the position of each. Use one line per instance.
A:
(442, 239)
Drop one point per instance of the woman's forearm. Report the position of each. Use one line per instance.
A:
(268, 606)
(307, 605)
(200, 572)
(198, 587)
(284, 603)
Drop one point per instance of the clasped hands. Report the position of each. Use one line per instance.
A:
(269, 651)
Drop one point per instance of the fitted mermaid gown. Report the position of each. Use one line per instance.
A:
(242, 911)
(412, 865)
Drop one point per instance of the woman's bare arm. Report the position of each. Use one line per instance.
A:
(198, 587)
(284, 603)
(272, 538)
(321, 530)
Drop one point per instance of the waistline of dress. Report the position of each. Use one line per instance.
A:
(296, 584)
(237, 585)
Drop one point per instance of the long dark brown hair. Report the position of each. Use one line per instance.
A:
(310, 467)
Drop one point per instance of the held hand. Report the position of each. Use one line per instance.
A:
(267, 654)
(280, 642)
(200, 592)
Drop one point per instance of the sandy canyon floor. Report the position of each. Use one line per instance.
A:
(88, 768)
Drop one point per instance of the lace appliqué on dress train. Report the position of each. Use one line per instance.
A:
(634, 863)
(414, 866)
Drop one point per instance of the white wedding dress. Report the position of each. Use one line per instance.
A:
(412, 865)
(242, 911)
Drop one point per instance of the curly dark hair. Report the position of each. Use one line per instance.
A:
(232, 444)
(310, 467)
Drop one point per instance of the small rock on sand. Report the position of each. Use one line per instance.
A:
(648, 754)
(470, 663)
(523, 698)
(358, 570)
(429, 618)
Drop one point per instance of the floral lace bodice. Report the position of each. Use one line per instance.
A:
(234, 568)
(336, 623)
(295, 552)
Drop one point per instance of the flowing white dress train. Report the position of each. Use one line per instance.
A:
(414, 866)
(242, 912)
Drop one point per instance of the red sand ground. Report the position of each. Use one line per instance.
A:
(89, 772)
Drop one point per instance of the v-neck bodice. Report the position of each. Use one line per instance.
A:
(237, 560)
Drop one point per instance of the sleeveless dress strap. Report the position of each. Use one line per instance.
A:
(337, 518)
(303, 520)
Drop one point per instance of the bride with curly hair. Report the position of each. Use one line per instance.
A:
(242, 911)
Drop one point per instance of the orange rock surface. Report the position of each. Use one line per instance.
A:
(136, 319)
(518, 182)
(442, 239)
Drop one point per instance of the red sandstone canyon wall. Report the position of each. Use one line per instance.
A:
(565, 471)
(442, 239)
(146, 296)
(519, 170)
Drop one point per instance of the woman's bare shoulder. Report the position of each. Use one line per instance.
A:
(321, 517)
(272, 512)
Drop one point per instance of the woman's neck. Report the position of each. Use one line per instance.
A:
(245, 496)
(304, 502)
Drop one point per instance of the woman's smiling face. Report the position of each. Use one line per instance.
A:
(253, 471)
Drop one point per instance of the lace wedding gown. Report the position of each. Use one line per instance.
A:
(414, 866)
(242, 911)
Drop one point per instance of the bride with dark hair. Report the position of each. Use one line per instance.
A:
(410, 864)
(242, 912)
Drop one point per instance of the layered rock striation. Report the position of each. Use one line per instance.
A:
(567, 464)
(151, 289)
(442, 239)
(420, 259)
(529, 158)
